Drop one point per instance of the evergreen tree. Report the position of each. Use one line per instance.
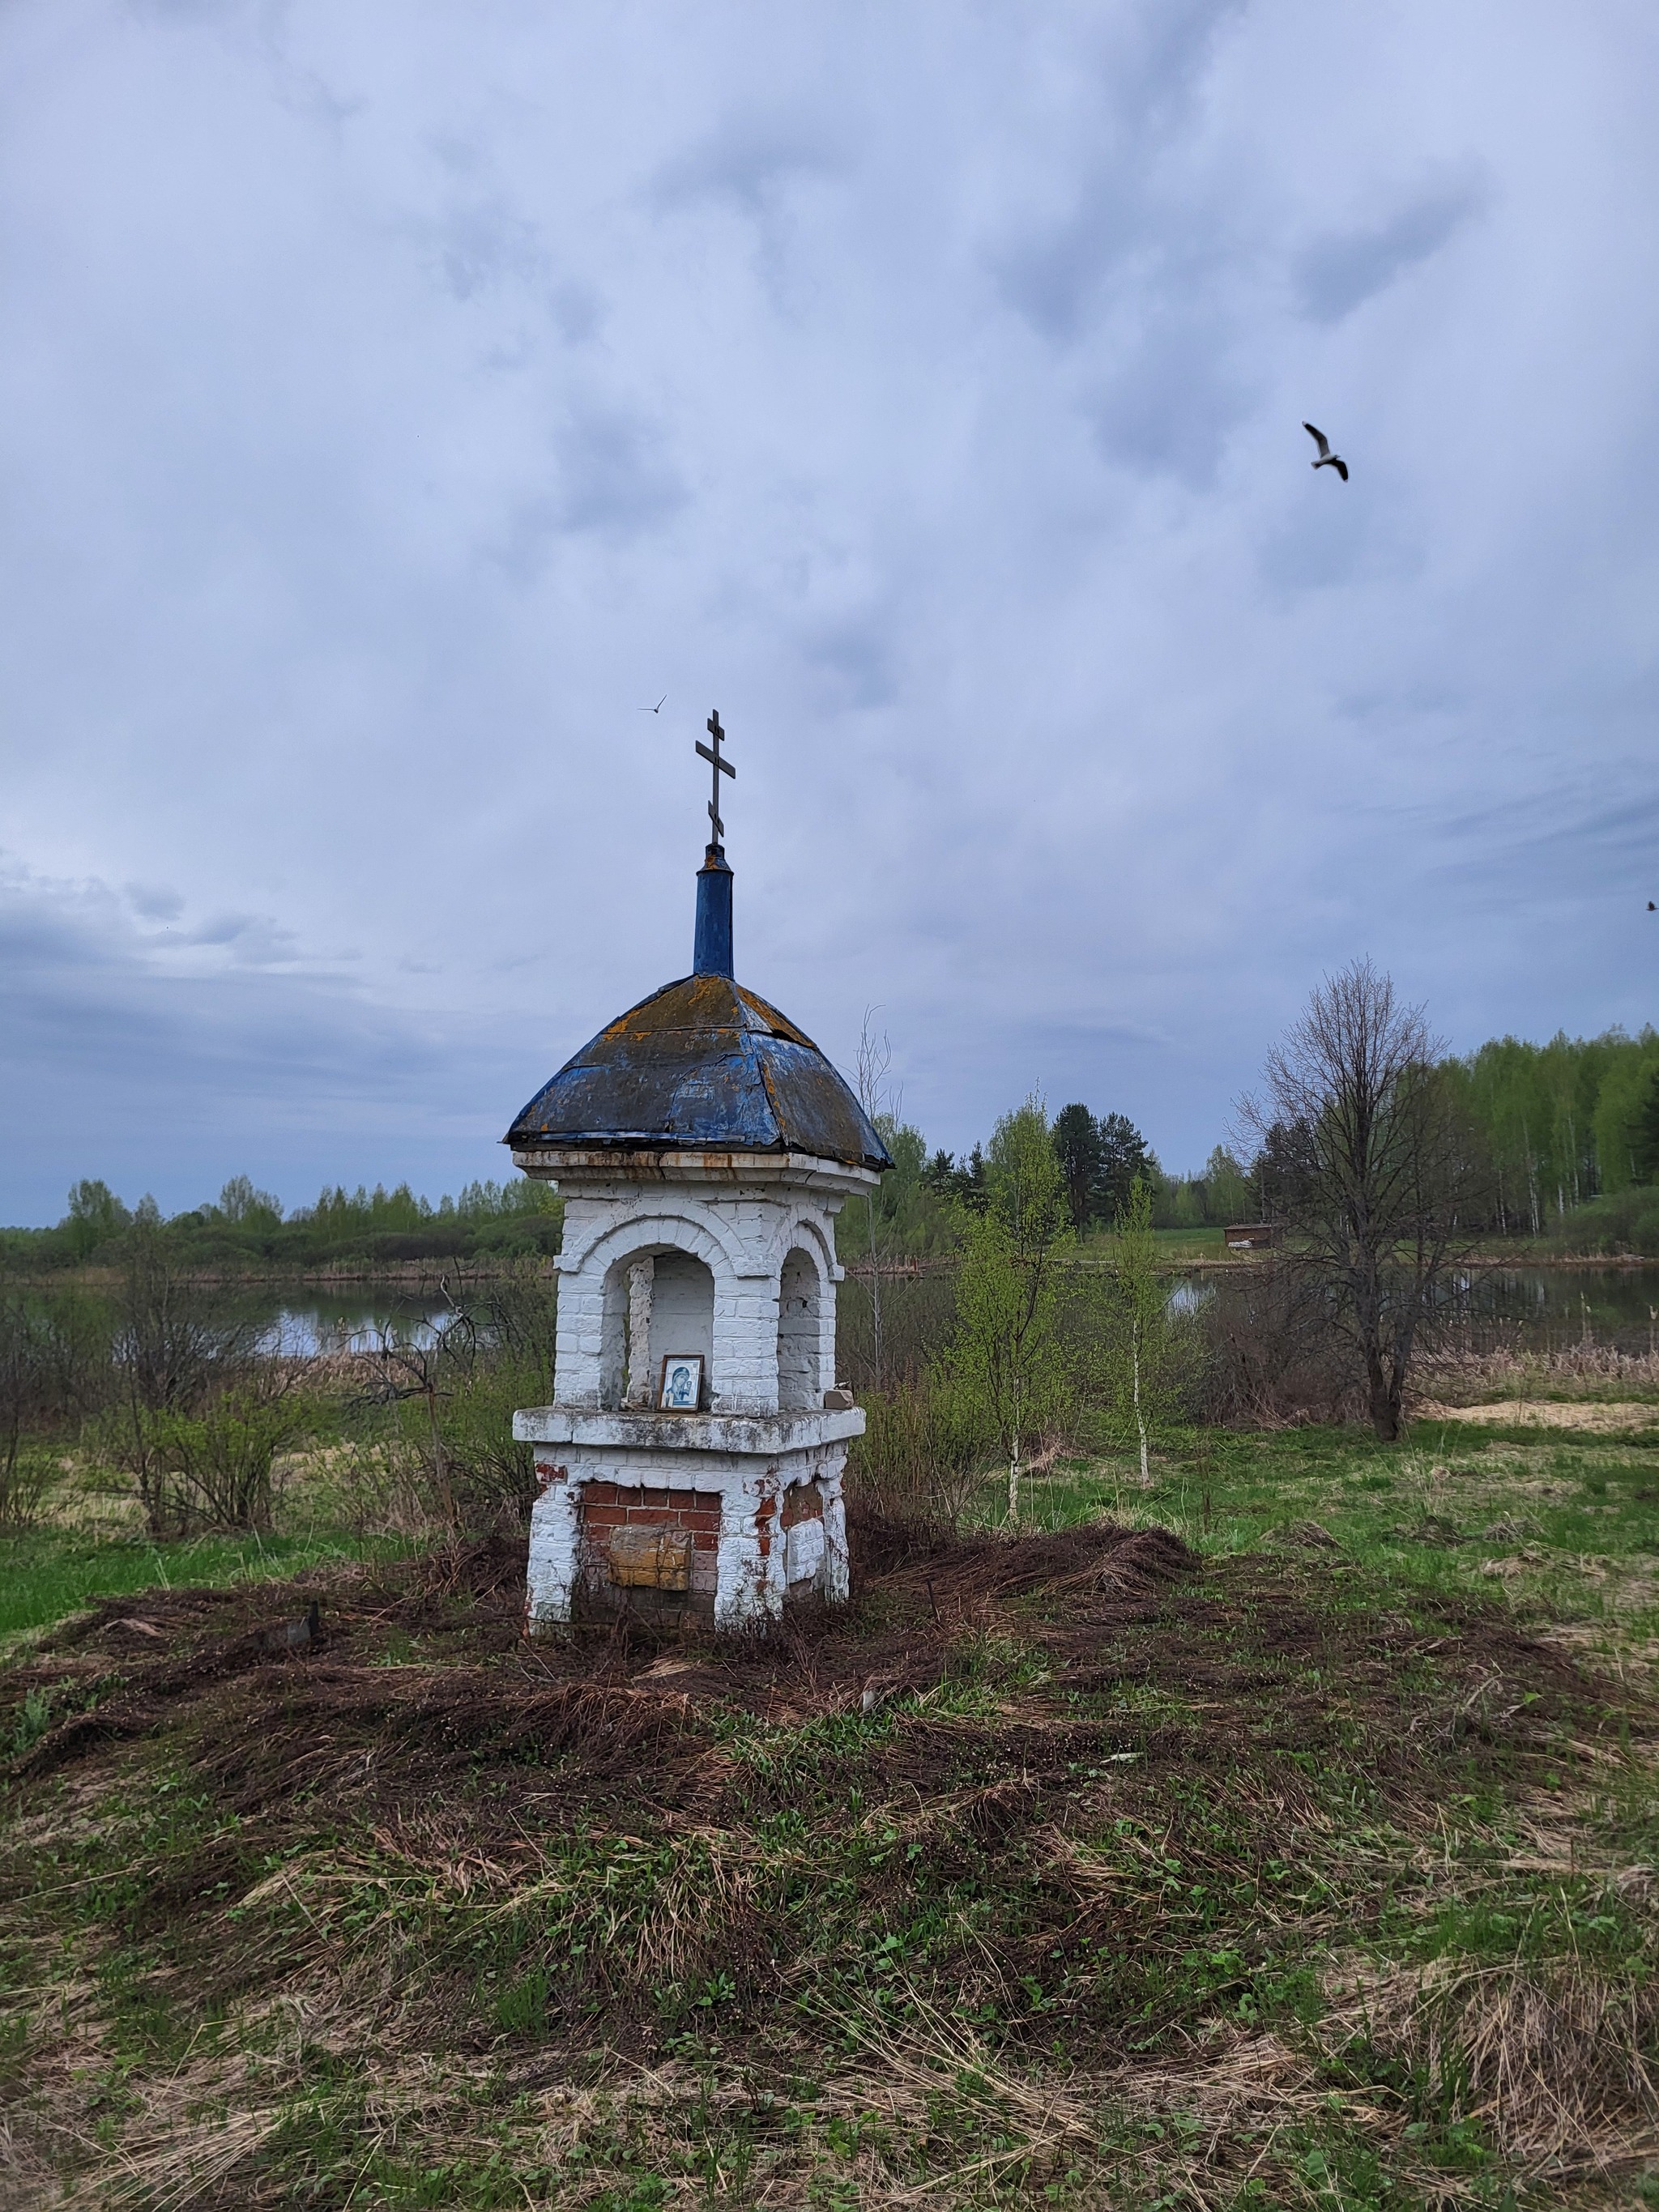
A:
(1124, 1159)
(1077, 1146)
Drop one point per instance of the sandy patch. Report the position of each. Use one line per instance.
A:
(1548, 1413)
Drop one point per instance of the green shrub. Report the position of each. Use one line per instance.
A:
(215, 1466)
(921, 1453)
(1623, 1221)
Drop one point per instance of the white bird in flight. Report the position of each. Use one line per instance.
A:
(1326, 460)
(658, 708)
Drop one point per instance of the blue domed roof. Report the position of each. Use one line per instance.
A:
(701, 1062)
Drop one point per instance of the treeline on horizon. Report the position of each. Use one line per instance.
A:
(1567, 1135)
(249, 1228)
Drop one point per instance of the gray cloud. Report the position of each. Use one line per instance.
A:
(482, 245)
(159, 1078)
(1340, 271)
(155, 902)
(615, 473)
(394, 401)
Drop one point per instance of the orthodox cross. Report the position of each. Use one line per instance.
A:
(721, 767)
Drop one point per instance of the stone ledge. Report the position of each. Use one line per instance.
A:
(762, 1435)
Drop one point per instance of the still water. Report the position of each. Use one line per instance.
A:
(303, 1323)
(1530, 1309)
(1547, 1309)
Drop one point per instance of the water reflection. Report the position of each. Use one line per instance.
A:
(1547, 1309)
(1527, 1308)
(306, 1327)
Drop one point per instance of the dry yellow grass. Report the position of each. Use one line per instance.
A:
(1592, 1415)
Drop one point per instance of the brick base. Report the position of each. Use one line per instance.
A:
(649, 1552)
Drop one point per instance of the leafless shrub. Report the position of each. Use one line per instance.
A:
(1272, 1358)
(54, 1362)
(462, 1381)
(174, 1353)
(918, 1311)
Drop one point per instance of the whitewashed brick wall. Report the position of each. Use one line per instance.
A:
(741, 1236)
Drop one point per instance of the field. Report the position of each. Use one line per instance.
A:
(1282, 1835)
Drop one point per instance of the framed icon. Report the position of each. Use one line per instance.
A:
(680, 1390)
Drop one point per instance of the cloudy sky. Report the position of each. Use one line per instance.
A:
(398, 395)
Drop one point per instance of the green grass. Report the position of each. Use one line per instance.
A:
(1000, 1939)
(1576, 1510)
(1173, 1244)
(47, 1572)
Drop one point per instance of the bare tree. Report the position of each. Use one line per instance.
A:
(1375, 1171)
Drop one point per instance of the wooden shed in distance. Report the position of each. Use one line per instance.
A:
(1250, 1236)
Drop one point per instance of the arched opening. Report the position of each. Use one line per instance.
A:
(801, 1386)
(624, 1352)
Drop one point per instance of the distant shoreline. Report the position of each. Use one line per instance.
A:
(353, 1275)
(342, 1274)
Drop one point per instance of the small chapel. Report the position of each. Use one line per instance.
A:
(691, 1461)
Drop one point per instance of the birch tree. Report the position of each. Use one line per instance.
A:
(1008, 1358)
(1144, 1349)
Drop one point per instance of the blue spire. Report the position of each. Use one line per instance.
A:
(711, 952)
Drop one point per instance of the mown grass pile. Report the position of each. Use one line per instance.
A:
(1075, 1868)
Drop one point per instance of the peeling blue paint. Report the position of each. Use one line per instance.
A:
(701, 1062)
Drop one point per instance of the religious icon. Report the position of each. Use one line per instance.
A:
(681, 1389)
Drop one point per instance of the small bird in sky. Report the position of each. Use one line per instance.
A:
(1652, 908)
(1326, 460)
(658, 708)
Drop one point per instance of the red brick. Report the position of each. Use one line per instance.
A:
(802, 1501)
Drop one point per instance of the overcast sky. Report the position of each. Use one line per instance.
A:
(396, 396)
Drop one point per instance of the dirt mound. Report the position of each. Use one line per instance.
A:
(411, 1672)
(127, 1662)
(964, 1570)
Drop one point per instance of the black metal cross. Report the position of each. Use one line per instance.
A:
(720, 768)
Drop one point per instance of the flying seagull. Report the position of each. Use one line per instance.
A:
(1326, 460)
(658, 708)
(1652, 908)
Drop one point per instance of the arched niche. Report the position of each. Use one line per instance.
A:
(683, 1314)
(800, 1333)
(658, 1302)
